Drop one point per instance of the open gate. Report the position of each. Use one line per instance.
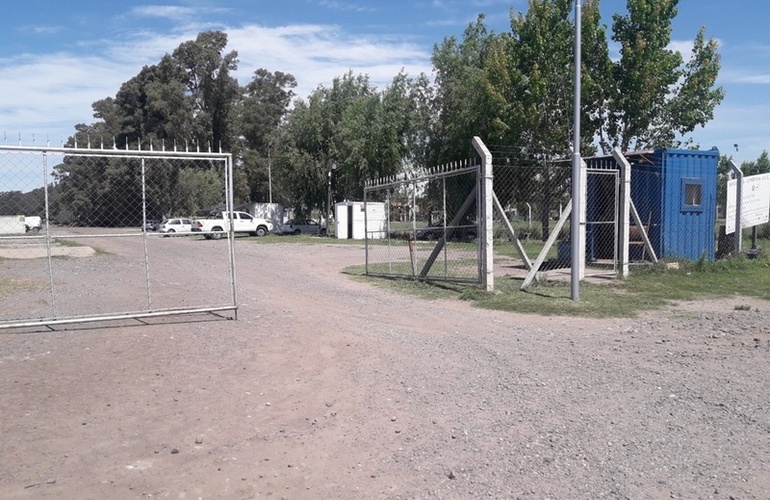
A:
(95, 254)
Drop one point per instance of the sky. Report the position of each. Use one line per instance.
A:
(57, 58)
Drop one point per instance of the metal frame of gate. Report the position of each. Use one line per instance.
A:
(47, 238)
(438, 259)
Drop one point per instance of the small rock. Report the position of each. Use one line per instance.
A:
(174, 451)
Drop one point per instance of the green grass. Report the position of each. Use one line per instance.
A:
(274, 239)
(647, 288)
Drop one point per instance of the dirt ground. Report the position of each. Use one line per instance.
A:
(330, 388)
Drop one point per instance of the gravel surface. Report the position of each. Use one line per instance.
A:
(326, 387)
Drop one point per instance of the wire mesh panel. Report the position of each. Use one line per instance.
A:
(532, 223)
(430, 226)
(602, 190)
(532, 195)
(107, 234)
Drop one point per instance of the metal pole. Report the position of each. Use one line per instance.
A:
(576, 206)
(738, 175)
(231, 234)
(329, 204)
(329, 201)
(269, 176)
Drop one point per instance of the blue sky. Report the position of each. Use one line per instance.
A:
(56, 58)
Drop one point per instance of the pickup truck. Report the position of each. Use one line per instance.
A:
(218, 224)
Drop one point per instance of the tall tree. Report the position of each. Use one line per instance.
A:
(315, 141)
(529, 78)
(348, 133)
(655, 99)
(211, 87)
(264, 103)
(460, 106)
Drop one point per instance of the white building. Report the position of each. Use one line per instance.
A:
(353, 222)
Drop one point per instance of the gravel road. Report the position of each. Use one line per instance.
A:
(330, 388)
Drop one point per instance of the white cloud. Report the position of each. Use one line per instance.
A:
(41, 30)
(315, 54)
(754, 79)
(49, 94)
(684, 47)
(174, 12)
(345, 6)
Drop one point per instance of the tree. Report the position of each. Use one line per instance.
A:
(654, 99)
(262, 108)
(460, 107)
(211, 88)
(185, 99)
(759, 166)
(364, 132)
(529, 78)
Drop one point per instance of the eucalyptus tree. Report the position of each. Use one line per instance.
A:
(211, 89)
(262, 108)
(186, 98)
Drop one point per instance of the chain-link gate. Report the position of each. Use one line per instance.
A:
(80, 238)
(601, 219)
(430, 229)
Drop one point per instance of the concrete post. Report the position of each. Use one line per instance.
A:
(486, 211)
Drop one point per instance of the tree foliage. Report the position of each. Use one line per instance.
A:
(348, 133)
(655, 100)
(514, 89)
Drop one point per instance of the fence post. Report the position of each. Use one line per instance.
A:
(624, 215)
(738, 202)
(487, 211)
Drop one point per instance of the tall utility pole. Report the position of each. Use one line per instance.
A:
(576, 188)
(329, 199)
(269, 174)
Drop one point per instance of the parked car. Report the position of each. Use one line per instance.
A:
(458, 233)
(152, 225)
(170, 226)
(306, 226)
(217, 224)
(33, 223)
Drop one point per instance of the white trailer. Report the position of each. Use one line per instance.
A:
(14, 224)
(355, 220)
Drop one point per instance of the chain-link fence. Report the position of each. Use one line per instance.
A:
(430, 227)
(535, 203)
(637, 208)
(743, 208)
(106, 234)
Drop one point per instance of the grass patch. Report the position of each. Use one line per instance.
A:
(299, 239)
(72, 243)
(647, 288)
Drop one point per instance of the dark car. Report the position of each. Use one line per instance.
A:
(458, 233)
(305, 226)
(152, 225)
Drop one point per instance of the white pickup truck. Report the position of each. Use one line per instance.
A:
(218, 224)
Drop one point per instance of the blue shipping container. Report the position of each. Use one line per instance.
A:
(674, 191)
